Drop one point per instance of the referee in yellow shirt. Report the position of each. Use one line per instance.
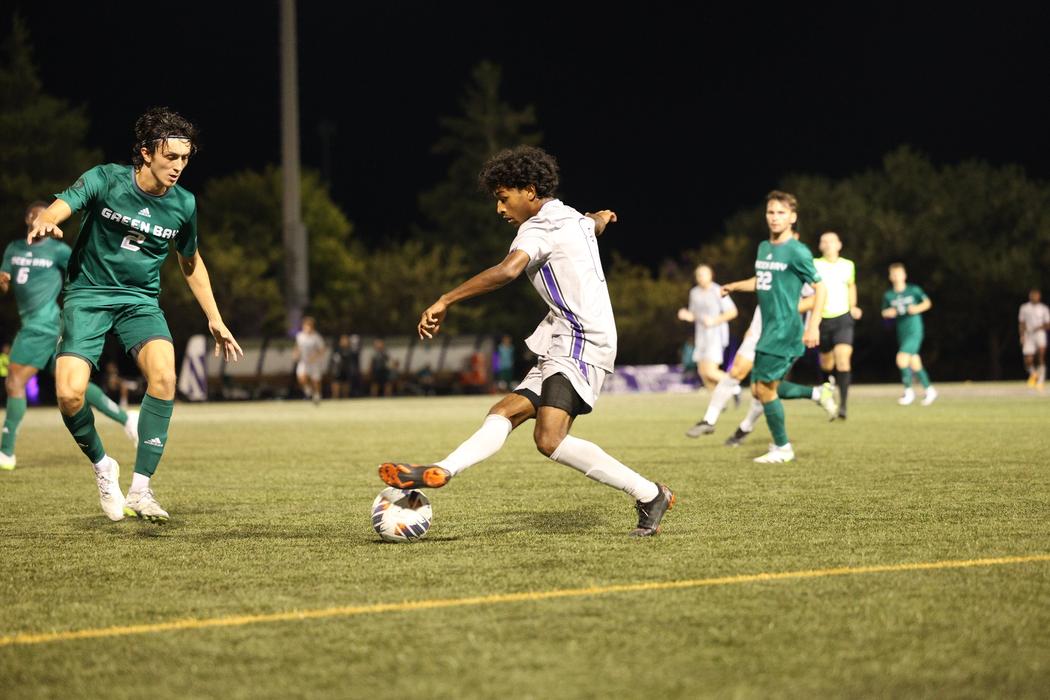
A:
(839, 314)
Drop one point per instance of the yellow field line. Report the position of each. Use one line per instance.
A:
(500, 598)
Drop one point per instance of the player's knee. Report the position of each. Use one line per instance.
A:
(162, 384)
(13, 385)
(547, 441)
(70, 400)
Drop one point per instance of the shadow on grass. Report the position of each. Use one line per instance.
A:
(554, 522)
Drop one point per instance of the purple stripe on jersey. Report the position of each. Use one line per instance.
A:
(551, 282)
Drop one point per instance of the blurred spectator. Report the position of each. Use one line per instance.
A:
(503, 360)
(309, 356)
(475, 377)
(346, 367)
(688, 359)
(380, 370)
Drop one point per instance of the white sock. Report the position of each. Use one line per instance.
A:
(736, 386)
(1042, 373)
(596, 464)
(816, 393)
(102, 463)
(720, 397)
(753, 414)
(139, 482)
(486, 442)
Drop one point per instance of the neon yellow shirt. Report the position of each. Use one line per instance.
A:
(837, 276)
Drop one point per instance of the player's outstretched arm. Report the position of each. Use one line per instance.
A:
(811, 337)
(481, 283)
(602, 219)
(747, 285)
(46, 224)
(196, 274)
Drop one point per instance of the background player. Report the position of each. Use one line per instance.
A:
(132, 214)
(36, 273)
(556, 247)
(838, 315)
(309, 356)
(782, 266)
(710, 312)
(1034, 320)
(906, 303)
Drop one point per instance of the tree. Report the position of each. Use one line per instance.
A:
(41, 140)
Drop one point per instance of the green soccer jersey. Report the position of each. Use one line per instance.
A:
(125, 236)
(780, 271)
(907, 324)
(36, 273)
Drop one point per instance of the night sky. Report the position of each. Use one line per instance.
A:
(674, 117)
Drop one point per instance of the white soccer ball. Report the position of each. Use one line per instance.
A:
(401, 516)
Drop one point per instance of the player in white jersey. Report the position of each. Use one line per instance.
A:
(710, 313)
(838, 316)
(310, 357)
(1034, 321)
(557, 248)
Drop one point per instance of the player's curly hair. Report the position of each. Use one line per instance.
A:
(157, 125)
(786, 198)
(518, 168)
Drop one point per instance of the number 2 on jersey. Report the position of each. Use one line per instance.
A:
(764, 280)
(131, 241)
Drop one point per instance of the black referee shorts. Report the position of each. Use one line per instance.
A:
(836, 331)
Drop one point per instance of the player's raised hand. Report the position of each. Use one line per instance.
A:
(433, 317)
(42, 227)
(602, 219)
(225, 340)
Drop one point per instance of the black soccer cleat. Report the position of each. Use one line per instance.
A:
(701, 428)
(736, 438)
(413, 476)
(842, 414)
(650, 514)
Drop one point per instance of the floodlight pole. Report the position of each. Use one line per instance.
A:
(296, 271)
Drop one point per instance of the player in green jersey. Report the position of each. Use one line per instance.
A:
(906, 303)
(132, 214)
(35, 271)
(782, 266)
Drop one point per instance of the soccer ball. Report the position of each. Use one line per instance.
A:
(401, 516)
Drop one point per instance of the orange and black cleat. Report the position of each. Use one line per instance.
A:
(413, 476)
(650, 514)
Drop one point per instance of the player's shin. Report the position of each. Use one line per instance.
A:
(790, 390)
(154, 417)
(720, 397)
(484, 443)
(597, 464)
(756, 410)
(99, 401)
(774, 411)
(924, 378)
(81, 426)
(906, 377)
(16, 410)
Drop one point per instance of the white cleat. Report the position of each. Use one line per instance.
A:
(143, 505)
(827, 400)
(109, 495)
(929, 397)
(777, 455)
(131, 428)
(908, 399)
(7, 462)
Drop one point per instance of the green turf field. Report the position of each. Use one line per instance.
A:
(270, 505)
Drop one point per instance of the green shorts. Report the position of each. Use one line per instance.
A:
(84, 328)
(37, 339)
(771, 368)
(910, 344)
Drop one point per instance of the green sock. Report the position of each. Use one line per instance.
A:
(924, 378)
(790, 390)
(16, 410)
(82, 428)
(906, 377)
(98, 399)
(774, 411)
(154, 416)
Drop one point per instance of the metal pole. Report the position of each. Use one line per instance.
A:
(296, 272)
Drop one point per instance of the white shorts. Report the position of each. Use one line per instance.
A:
(586, 379)
(306, 369)
(709, 352)
(754, 332)
(1033, 341)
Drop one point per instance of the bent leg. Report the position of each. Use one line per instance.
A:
(72, 374)
(15, 383)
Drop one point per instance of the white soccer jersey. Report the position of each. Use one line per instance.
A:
(566, 270)
(310, 345)
(709, 302)
(1033, 316)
